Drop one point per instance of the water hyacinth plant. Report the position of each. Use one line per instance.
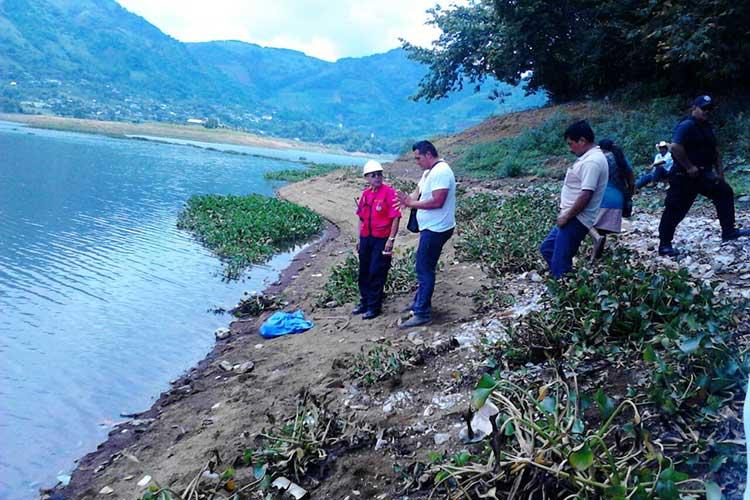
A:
(504, 234)
(246, 230)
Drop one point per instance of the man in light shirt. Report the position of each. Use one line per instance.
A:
(580, 199)
(661, 166)
(435, 201)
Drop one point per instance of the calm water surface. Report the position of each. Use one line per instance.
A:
(102, 299)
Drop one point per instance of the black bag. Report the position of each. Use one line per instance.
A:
(413, 225)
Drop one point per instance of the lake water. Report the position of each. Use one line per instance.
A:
(102, 299)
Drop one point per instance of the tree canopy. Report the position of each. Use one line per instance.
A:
(575, 48)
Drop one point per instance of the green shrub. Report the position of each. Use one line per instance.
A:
(246, 230)
(504, 234)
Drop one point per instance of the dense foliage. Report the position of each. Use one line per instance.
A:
(577, 48)
(246, 230)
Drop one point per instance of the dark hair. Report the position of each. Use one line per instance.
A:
(579, 129)
(620, 161)
(425, 147)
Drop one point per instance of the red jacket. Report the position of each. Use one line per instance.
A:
(376, 212)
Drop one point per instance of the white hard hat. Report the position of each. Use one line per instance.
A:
(662, 144)
(372, 166)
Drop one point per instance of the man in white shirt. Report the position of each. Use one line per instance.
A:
(435, 201)
(580, 199)
(662, 165)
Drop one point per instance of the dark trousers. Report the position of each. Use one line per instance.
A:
(428, 253)
(561, 245)
(680, 197)
(373, 271)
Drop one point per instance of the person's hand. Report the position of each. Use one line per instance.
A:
(562, 219)
(693, 171)
(388, 249)
(402, 200)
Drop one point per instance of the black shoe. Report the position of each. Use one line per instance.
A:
(737, 233)
(371, 314)
(359, 309)
(669, 251)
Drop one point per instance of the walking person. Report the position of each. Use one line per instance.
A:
(379, 220)
(581, 196)
(698, 169)
(660, 167)
(435, 201)
(618, 193)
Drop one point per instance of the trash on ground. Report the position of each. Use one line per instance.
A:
(283, 323)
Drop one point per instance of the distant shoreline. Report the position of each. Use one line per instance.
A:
(166, 130)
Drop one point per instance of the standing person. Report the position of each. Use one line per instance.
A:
(379, 220)
(661, 166)
(582, 193)
(697, 169)
(435, 201)
(619, 190)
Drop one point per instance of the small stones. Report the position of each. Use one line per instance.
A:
(442, 438)
(245, 367)
(106, 491)
(144, 481)
(226, 366)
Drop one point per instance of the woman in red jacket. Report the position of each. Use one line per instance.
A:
(377, 233)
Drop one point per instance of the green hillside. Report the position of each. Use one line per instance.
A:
(95, 59)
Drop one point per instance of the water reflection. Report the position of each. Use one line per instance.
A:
(102, 299)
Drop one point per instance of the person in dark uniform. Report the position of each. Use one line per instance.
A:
(697, 170)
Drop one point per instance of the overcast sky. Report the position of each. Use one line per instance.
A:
(328, 29)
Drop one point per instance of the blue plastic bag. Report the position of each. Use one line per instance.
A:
(283, 323)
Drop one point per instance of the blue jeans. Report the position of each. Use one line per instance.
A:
(428, 254)
(561, 245)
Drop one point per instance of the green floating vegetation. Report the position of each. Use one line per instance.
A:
(247, 230)
(299, 174)
(504, 234)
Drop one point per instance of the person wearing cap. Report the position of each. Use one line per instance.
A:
(379, 221)
(697, 169)
(661, 166)
(435, 201)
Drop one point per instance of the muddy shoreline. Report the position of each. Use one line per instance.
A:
(128, 433)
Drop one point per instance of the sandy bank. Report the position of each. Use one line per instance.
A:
(166, 130)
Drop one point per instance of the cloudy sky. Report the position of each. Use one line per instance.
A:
(328, 29)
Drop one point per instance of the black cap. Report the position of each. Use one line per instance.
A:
(703, 101)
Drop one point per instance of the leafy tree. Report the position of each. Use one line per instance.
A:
(574, 48)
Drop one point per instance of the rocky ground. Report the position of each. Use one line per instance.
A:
(379, 432)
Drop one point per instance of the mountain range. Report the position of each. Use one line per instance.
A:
(95, 59)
